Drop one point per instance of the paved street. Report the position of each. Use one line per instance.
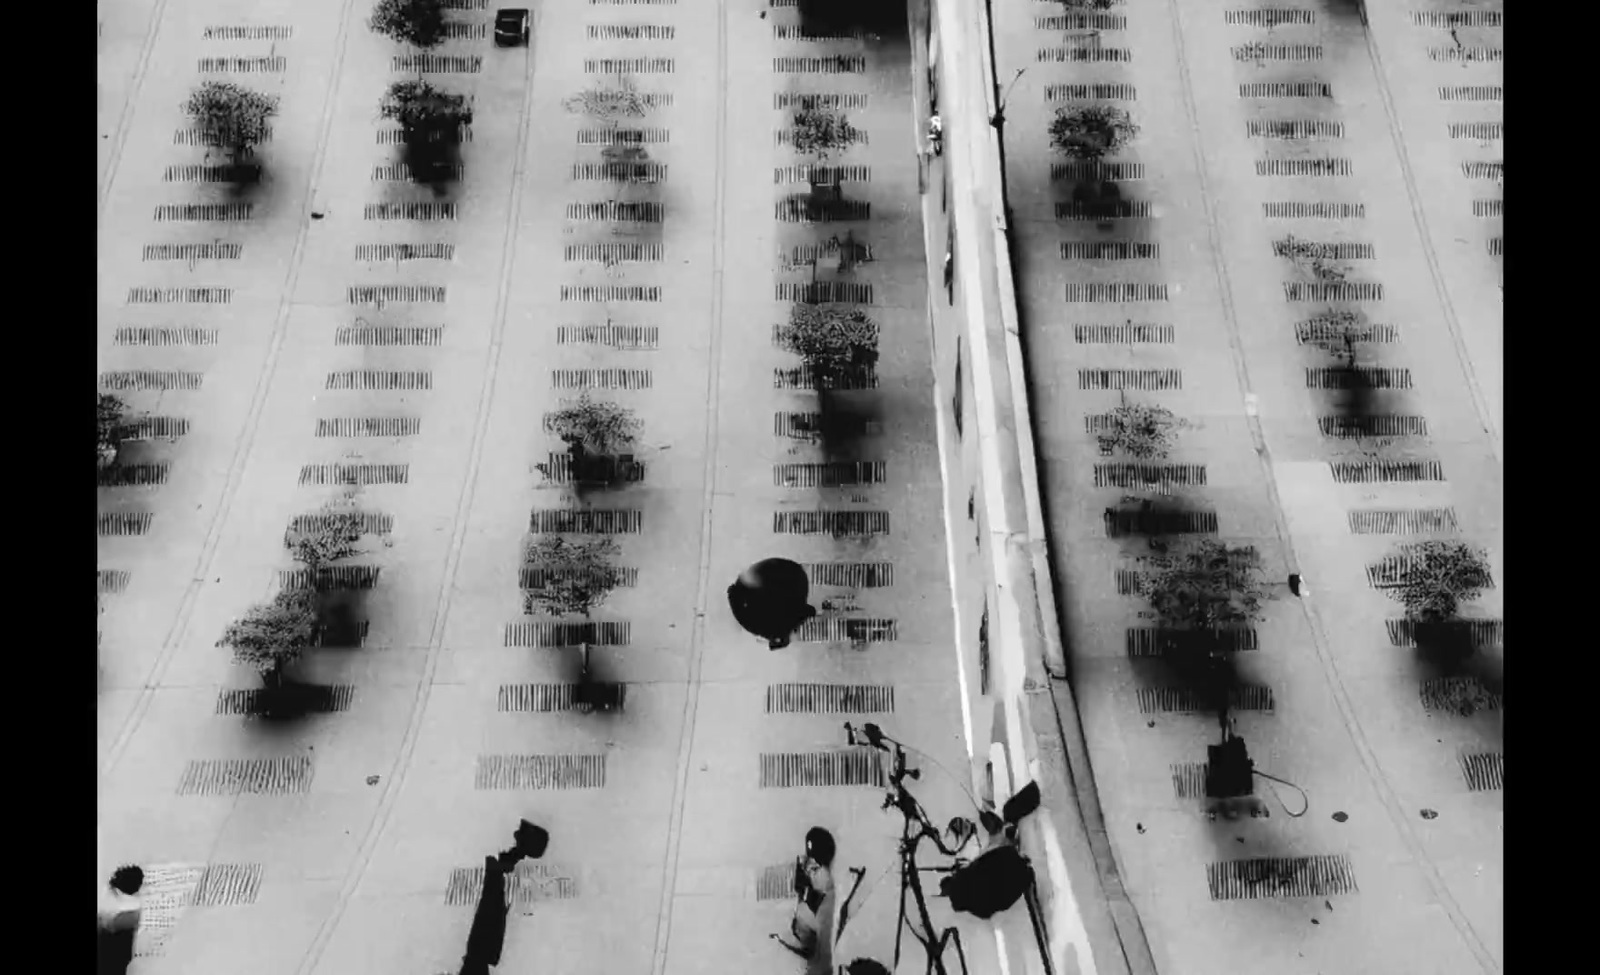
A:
(1257, 123)
(289, 341)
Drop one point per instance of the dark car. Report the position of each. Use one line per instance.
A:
(511, 26)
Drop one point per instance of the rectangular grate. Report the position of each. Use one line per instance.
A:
(1148, 379)
(851, 137)
(624, 469)
(368, 522)
(805, 255)
(1332, 291)
(378, 379)
(1082, 55)
(1461, 696)
(1260, 51)
(1313, 211)
(627, 338)
(409, 211)
(381, 295)
(805, 33)
(250, 33)
(1294, 129)
(1497, 246)
(614, 210)
(1121, 523)
(1115, 210)
(1327, 250)
(258, 65)
(612, 253)
(369, 426)
(232, 173)
(610, 292)
(235, 776)
(187, 296)
(804, 208)
(1128, 333)
(227, 885)
(628, 66)
(855, 630)
(1099, 172)
(1285, 89)
(424, 335)
(1360, 377)
(185, 335)
(600, 379)
(526, 884)
(1081, 21)
(1324, 331)
(1459, 18)
(775, 883)
(112, 581)
(823, 292)
(547, 635)
(540, 772)
(1258, 877)
(191, 253)
(321, 474)
(467, 32)
(833, 100)
(1386, 471)
(348, 578)
(834, 766)
(1467, 55)
(1482, 170)
(1387, 572)
(1402, 521)
(586, 521)
(838, 64)
(552, 698)
(1484, 771)
(810, 426)
(1118, 293)
(1140, 475)
(801, 378)
(142, 379)
(839, 524)
(1303, 167)
(851, 575)
(1185, 700)
(830, 699)
(397, 137)
(1189, 779)
(1156, 641)
(203, 212)
(1099, 92)
(1472, 93)
(1269, 18)
(309, 699)
(400, 172)
(530, 577)
(133, 475)
(644, 172)
(631, 32)
(194, 136)
(623, 137)
(1109, 250)
(436, 64)
(123, 523)
(831, 474)
(1378, 425)
(1480, 633)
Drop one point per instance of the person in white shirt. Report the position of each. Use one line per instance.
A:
(118, 917)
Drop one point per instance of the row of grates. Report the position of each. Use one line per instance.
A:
(1086, 55)
(620, 337)
(802, 377)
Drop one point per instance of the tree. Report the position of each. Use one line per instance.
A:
(594, 431)
(611, 105)
(321, 539)
(430, 124)
(818, 132)
(231, 117)
(572, 577)
(270, 636)
(1436, 577)
(834, 341)
(1311, 257)
(416, 22)
(1335, 332)
(1204, 588)
(1141, 430)
(110, 414)
(1091, 131)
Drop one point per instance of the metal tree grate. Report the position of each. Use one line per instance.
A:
(552, 698)
(1101, 212)
(1140, 475)
(802, 378)
(810, 426)
(838, 64)
(646, 172)
(310, 699)
(1294, 129)
(1457, 18)
(833, 100)
(1110, 92)
(436, 64)
(1480, 633)
(540, 772)
(1402, 521)
(1458, 696)
(203, 212)
(369, 523)
(600, 378)
(383, 294)
(260, 65)
(628, 66)
(1312, 876)
(1277, 52)
(273, 32)
(1146, 379)
(235, 776)
(1081, 21)
(624, 338)
(227, 885)
(586, 521)
(1107, 250)
(1160, 641)
(614, 210)
(832, 767)
(1314, 211)
(852, 630)
(1386, 471)
(775, 883)
(851, 575)
(1184, 700)
(1189, 779)
(832, 474)
(1327, 291)
(1304, 167)
(409, 211)
(631, 32)
(187, 296)
(839, 524)
(143, 379)
(1484, 771)
(1472, 93)
(1128, 333)
(1080, 292)
(111, 581)
(424, 335)
(369, 426)
(612, 253)
(137, 335)
(133, 475)
(123, 523)
(355, 474)
(375, 379)
(1381, 425)
(1285, 89)
(531, 577)
(1269, 17)
(610, 292)
(830, 699)
(560, 635)
(527, 884)
(341, 577)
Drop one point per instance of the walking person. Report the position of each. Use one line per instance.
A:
(118, 916)
(818, 917)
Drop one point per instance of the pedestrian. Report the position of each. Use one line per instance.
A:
(936, 134)
(818, 917)
(118, 916)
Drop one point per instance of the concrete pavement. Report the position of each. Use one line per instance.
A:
(344, 842)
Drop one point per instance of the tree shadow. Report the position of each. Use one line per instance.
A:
(823, 16)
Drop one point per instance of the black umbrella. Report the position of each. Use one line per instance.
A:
(769, 600)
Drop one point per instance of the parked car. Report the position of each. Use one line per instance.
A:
(511, 26)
